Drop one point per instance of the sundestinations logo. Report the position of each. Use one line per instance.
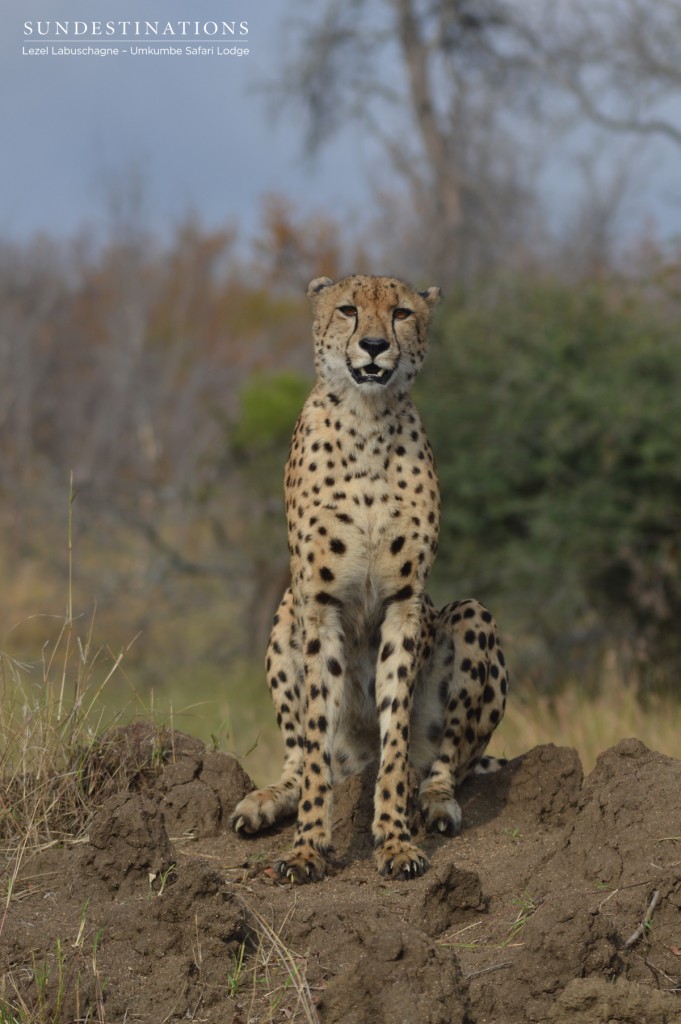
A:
(136, 38)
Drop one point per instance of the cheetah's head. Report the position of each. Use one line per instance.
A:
(369, 332)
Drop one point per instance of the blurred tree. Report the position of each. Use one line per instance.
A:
(123, 360)
(434, 88)
(33, 287)
(169, 377)
(621, 60)
(466, 103)
(270, 404)
(291, 250)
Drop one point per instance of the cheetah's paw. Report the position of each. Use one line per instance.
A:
(442, 816)
(400, 860)
(300, 866)
(440, 810)
(261, 809)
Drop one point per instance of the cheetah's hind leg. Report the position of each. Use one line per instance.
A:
(265, 807)
(468, 678)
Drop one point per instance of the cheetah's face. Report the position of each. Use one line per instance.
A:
(370, 332)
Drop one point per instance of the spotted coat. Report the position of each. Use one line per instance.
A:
(360, 664)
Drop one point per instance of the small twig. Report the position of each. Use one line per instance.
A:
(632, 885)
(486, 970)
(657, 970)
(603, 902)
(645, 923)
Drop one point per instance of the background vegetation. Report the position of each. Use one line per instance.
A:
(166, 374)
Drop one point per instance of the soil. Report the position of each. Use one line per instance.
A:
(162, 914)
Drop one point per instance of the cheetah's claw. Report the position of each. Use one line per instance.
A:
(412, 869)
(444, 825)
(299, 868)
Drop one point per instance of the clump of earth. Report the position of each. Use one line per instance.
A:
(559, 901)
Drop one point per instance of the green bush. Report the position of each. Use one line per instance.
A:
(555, 415)
(270, 404)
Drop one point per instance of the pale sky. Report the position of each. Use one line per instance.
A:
(198, 128)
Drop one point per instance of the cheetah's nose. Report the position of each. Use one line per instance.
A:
(374, 346)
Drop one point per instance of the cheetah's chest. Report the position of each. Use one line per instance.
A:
(357, 500)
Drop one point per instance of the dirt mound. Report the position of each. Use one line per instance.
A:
(200, 791)
(588, 897)
(595, 1001)
(625, 811)
(398, 975)
(199, 786)
(543, 786)
(540, 911)
(128, 844)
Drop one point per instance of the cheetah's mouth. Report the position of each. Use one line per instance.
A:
(370, 374)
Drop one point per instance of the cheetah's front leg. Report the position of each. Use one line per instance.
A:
(396, 854)
(324, 675)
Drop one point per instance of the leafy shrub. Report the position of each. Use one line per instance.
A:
(555, 418)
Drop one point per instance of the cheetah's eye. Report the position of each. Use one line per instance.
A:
(348, 310)
(401, 313)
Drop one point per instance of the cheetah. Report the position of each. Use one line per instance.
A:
(360, 664)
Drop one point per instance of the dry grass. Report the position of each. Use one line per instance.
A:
(591, 724)
(278, 983)
(41, 728)
(47, 730)
(58, 761)
(70, 972)
(47, 740)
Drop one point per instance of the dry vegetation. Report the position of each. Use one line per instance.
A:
(590, 723)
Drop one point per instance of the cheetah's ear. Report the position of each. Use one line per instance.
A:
(431, 295)
(317, 285)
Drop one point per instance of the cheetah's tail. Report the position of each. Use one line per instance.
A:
(486, 765)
